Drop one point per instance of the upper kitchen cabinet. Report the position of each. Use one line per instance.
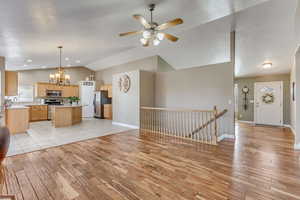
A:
(66, 91)
(41, 89)
(107, 88)
(11, 83)
(70, 91)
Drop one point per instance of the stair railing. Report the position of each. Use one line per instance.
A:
(197, 125)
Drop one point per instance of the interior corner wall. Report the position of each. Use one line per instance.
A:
(147, 88)
(199, 88)
(2, 74)
(147, 64)
(163, 66)
(126, 106)
(295, 77)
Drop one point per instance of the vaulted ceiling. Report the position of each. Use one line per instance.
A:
(88, 30)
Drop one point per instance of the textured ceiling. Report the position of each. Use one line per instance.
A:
(89, 29)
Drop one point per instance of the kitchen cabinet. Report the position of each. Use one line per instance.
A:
(38, 112)
(107, 88)
(107, 111)
(11, 83)
(41, 88)
(70, 91)
(67, 91)
(66, 115)
(17, 119)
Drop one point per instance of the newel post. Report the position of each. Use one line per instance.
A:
(215, 136)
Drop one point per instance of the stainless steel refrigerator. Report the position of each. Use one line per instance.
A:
(100, 98)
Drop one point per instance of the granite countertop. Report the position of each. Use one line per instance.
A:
(16, 107)
(67, 106)
(35, 104)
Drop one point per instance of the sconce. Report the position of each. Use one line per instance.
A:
(245, 90)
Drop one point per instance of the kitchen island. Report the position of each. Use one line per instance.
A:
(66, 115)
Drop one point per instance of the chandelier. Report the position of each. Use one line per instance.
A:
(60, 78)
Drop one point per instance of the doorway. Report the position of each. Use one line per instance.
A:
(268, 107)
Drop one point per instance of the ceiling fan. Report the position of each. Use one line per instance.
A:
(152, 31)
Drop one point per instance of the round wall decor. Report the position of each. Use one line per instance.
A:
(124, 83)
(268, 98)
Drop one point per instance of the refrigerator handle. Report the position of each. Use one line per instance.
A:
(94, 102)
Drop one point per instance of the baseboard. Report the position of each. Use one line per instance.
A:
(248, 122)
(225, 136)
(125, 125)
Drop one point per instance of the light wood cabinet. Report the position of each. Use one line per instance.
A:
(107, 88)
(70, 91)
(38, 112)
(17, 120)
(67, 91)
(66, 115)
(107, 111)
(76, 115)
(41, 88)
(11, 83)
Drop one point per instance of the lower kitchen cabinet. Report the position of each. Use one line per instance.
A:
(38, 112)
(107, 111)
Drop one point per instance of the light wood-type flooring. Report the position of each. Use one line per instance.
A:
(259, 164)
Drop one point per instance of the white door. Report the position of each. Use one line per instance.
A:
(268, 108)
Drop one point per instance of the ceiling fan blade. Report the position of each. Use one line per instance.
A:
(130, 33)
(142, 20)
(171, 37)
(169, 24)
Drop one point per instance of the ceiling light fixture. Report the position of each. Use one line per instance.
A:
(267, 65)
(152, 32)
(77, 61)
(67, 58)
(29, 60)
(60, 78)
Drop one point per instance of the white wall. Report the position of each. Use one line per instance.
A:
(295, 106)
(2, 82)
(126, 106)
(199, 88)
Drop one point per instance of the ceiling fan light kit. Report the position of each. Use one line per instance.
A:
(152, 31)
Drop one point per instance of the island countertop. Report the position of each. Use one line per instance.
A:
(67, 106)
(13, 107)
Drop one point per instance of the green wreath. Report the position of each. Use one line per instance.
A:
(268, 98)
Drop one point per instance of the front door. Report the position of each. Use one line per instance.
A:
(268, 97)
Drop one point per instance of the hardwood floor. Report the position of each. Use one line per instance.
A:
(260, 164)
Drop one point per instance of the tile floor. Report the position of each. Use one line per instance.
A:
(43, 135)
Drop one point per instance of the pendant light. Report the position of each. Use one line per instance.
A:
(60, 78)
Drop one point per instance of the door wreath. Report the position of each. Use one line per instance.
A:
(268, 98)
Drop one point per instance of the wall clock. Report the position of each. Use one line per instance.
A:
(124, 83)
(245, 90)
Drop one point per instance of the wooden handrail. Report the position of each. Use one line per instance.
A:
(182, 123)
(217, 116)
(175, 109)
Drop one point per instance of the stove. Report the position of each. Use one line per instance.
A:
(52, 102)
